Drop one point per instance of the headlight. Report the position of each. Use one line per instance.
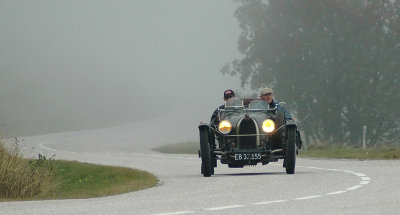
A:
(268, 125)
(225, 126)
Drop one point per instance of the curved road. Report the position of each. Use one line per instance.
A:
(318, 187)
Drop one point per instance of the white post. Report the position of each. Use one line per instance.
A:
(364, 136)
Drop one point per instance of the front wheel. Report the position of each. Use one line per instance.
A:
(207, 167)
(277, 137)
(290, 159)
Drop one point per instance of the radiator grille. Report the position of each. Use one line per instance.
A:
(248, 126)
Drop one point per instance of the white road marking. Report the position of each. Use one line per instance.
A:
(270, 202)
(337, 192)
(311, 167)
(364, 180)
(54, 150)
(308, 197)
(224, 207)
(176, 213)
(354, 187)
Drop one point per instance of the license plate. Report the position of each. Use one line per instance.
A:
(247, 156)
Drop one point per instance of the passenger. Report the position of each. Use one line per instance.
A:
(267, 95)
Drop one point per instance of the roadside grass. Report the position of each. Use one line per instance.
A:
(345, 152)
(37, 179)
(83, 180)
(22, 178)
(313, 151)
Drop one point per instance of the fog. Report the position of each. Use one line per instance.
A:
(67, 65)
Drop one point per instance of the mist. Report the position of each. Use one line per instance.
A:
(67, 65)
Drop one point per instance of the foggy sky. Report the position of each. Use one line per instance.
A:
(78, 63)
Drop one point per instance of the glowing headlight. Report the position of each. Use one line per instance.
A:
(225, 126)
(268, 125)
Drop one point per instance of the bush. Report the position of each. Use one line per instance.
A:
(23, 178)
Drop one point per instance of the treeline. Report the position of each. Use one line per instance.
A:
(335, 62)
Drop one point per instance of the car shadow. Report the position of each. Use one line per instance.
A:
(249, 174)
(260, 173)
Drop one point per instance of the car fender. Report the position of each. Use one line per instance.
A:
(291, 124)
(204, 126)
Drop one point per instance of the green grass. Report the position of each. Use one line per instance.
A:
(313, 151)
(83, 180)
(343, 152)
(29, 179)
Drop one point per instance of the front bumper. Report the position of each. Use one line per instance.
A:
(249, 157)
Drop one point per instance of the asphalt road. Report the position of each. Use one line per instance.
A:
(319, 186)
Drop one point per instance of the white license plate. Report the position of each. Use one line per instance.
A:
(247, 156)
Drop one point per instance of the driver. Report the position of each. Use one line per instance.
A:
(227, 95)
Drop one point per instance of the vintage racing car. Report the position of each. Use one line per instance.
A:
(248, 132)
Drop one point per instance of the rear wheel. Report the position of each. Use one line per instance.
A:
(290, 159)
(207, 167)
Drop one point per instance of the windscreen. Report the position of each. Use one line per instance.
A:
(258, 104)
(233, 102)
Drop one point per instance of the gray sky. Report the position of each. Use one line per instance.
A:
(83, 62)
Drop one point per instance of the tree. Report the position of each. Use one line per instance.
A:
(335, 61)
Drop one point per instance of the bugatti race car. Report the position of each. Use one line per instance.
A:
(248, 132)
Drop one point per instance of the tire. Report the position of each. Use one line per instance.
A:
(277, 137)
(299, 142)
(207, 167)
(290, 159)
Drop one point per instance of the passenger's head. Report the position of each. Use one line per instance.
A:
(228, 94)
(266, 95)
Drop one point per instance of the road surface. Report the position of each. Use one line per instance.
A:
(319, 186)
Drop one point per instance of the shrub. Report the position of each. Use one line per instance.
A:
(23, 178)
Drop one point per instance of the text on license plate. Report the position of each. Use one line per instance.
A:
(247, 156)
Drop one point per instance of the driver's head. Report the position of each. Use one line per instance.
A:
(266, 95)
(228, 94)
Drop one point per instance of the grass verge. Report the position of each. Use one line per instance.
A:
(33, 179)
(313, 151)
(343, 152)
(83, 180)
